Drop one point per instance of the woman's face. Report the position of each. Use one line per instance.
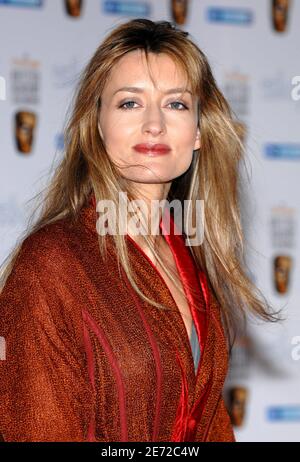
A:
(128, 118)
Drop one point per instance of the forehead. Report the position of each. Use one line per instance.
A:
(160, 70)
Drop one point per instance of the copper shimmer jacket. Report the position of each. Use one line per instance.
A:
(88, 360)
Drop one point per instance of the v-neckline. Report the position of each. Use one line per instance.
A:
(170, 239)
(200, 318)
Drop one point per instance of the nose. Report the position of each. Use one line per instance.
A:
(153, 120)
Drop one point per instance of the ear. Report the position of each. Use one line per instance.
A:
(198, 140)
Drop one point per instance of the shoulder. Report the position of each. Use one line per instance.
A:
(41, 262)
(51, 248)
(50, 240)
(39, 283)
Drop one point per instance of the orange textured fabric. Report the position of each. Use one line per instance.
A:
(88, 360)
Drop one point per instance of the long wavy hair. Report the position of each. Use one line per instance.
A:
(213, 175)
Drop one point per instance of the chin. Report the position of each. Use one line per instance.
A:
(143, 175)
(152, 180)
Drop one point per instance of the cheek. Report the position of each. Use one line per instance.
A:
(120, 135)
(115, 144)
(117, 128)
(182, 160)
(184, 140)
(185, 128)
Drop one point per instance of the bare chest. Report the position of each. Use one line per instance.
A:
(176, 292)
(180, 299)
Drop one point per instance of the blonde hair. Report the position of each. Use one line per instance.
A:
(213, 175)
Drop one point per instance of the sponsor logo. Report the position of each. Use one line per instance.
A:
(27, 3)
(290, 151)
(279, 413)
(283, 228)
(126, 8)
(59, 141)
(236, 88)
(25, 80)
(238, 16)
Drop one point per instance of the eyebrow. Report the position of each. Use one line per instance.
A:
(141, 90)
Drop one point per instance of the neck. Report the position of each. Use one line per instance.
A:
(152, 197)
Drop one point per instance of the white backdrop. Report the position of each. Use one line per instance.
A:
(42, 52)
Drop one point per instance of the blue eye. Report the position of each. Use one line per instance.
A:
(178, 102)
(122, 106)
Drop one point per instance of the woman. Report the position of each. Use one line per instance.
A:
(103, 330)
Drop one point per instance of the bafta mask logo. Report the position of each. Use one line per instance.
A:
(282, 269)
(237, 405)
(73, 7)
(280, 13)
(179, 11)
(25, 123)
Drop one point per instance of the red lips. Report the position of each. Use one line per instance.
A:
(152, 148)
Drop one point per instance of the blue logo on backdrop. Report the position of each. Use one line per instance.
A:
(290, 151)
(126, 8)
(30, 3)
(59, 141)
(291, 413)
(240, 16)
